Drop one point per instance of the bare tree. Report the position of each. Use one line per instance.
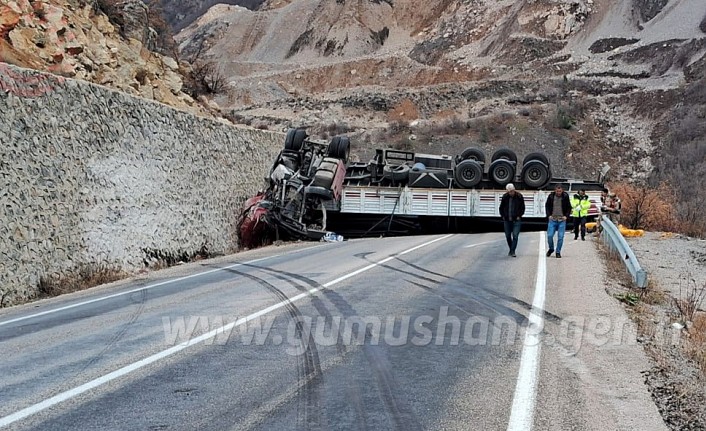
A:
(207, 76)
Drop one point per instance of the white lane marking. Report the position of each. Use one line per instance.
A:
(63, 396)
(139, 289)
(522, 413)
(481, 243)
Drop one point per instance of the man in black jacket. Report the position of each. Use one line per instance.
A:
(558, 209)
(512, 208)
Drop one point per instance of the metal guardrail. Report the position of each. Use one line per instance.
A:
(614, 239)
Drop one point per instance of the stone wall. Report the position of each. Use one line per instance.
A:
(91, 177)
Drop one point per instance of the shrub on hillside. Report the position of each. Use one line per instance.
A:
(648, 208)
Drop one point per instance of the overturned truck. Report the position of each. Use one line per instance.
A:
(313, 188)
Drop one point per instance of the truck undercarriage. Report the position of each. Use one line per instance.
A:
(312, 189)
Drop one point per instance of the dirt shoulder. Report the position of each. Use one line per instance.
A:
(673, 338)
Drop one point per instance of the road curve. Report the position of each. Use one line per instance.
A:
(425, 332)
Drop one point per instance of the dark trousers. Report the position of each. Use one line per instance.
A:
(579, 222)
(512, 233)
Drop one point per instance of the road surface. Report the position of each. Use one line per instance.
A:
(430, 332)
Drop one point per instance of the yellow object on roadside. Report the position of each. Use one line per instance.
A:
(591, 226)
(630, 232)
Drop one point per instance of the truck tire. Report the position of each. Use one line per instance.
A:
(535, 156)
(339, 148)
(535, 174)
(332, 150)
(473, 153)
(397, 173)
(468, 173)
(344, 148)
(504, 153)
(502, 172)
(294, 139)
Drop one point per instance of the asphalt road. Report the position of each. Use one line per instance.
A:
(398, 333)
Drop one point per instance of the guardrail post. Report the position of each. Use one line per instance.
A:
(614, 239)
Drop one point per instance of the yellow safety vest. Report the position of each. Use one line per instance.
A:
(580, 207)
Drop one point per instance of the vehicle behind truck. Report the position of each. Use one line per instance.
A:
(313, 187)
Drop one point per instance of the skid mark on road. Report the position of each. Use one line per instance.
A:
(399, 411)
(128, 369)
(492, 293)
(308, 364)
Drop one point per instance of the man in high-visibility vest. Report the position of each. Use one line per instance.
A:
(579, 211)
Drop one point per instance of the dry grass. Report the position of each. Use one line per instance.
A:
(652, 307)
(696, 347)
(653, 294)
(83, 278)
(691, 297)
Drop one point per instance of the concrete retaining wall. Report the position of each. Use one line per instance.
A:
(91, 177)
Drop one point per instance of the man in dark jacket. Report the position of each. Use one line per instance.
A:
(512, 208)
(558, 209)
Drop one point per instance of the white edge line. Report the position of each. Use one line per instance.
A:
(139, 289)
(524, 400)
(63, 396)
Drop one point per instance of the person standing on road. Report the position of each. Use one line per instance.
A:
(512, 208)
(580, 206)
(604, 209)
(613, 208)
(558, 209)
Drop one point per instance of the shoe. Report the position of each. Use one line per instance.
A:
(558, 255)
(549, 252)
(509, 253)
(575, 238)
(513, 254)
(583, 239)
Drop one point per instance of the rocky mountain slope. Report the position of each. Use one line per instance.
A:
(311, 47)
(77, 39)
(589, 81)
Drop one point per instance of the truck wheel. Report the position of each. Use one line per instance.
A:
(289, 138)
(473, 153)
(332, 150)
(504, 153)
(294, 139)
(535, 174)
(396, 173)
(468, 173)
(344, 148)
(502, 172)
(535, 156)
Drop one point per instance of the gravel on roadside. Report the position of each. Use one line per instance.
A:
(677, 385)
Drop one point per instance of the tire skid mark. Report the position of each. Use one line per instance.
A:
(353, 390)
(121, 333)
(399, 410)
(308, 366)
(500, 310)
(442, 297)
(493, 294)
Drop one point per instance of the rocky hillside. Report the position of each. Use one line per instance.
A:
(180, 13)
(589, 81)
(77, 39)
